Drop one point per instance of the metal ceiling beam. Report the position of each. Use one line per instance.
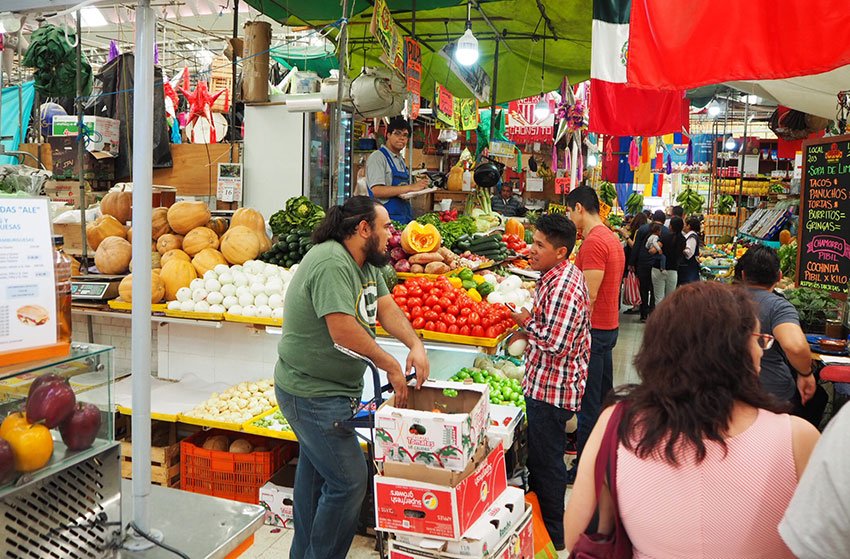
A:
(542, 9)
(490, 23)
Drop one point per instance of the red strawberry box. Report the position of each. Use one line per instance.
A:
(435, 502)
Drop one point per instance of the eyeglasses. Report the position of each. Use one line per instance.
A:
(765, 341)
(400, 133)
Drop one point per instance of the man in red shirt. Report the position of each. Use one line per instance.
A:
(558, 334)
(601, 259)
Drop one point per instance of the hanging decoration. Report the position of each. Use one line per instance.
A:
(113, 51)
(200, 104)
(54, 60)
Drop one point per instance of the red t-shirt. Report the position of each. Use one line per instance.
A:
(601, 250)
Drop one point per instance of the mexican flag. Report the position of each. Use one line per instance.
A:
(616, 108)
(682, 44)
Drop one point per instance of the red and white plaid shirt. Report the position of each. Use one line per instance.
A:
(558, 339)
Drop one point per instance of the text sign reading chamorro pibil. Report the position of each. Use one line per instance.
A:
(824, 229)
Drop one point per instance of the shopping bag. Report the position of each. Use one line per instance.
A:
(543, 546)
(631, 290)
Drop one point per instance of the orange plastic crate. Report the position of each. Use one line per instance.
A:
(230, 476)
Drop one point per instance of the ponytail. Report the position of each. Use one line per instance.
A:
(341, 221)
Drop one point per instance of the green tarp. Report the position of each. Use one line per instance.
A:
(439, 22)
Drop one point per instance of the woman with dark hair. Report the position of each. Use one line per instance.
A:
(707, 462)
(665, 277)
(628, 234)
(689, 265)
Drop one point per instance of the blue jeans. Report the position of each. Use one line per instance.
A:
(331, 478)
(600, 381)
(547, 438)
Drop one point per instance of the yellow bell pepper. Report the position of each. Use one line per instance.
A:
(474, 295)
(456, 282)
(478, 279)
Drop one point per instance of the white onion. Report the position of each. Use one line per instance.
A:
(246, 299)
(243, 290)
(261, 300)
(202, 306)
(249, 310)
(174, 305)
(215, 298)
(235, 309)
(228, 289)
(184, 294)
(229, 302)
(275, 301)
(277, 313)
(225, 278)
(217, 309)
(210, 274)
(197, 283)
(187, 306)
(257, 288)
(211, 285)
(199, 294)
(221, 268)
(264, 311)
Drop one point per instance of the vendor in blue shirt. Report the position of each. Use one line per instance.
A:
(387, 175)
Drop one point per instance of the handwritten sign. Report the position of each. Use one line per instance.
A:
(445, 104)
(384, 29)
(824, 230)
(413, 66)
(229, 185)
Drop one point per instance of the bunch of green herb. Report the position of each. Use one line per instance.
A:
(788, 259)
(814, 305)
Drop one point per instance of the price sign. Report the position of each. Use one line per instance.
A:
(27, 278)
(229, 187)
(824, 230)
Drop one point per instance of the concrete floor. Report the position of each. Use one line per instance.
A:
(273, 543)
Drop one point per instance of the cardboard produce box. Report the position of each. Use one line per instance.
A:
(485, 536)
(517, 544)
(72, 234)
(434, 429)
(276, 496)
(104, 133)
(503, 423)
(98, 167)
(69, 192)
(435, 502)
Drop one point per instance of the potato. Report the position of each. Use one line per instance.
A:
(217, 442)
(436, 268)
(241, 446)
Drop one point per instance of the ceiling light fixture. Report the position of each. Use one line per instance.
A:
(730, 143)
(466, 48)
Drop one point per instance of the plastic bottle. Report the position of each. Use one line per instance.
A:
(62, 266)
(467, 180)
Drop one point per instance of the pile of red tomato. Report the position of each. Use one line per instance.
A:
(515, 243)
(436, 305)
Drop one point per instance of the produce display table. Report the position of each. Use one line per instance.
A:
(217, 528)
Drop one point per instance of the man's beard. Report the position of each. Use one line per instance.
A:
(375, 255)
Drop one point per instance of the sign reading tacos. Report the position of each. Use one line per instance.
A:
(824, 229)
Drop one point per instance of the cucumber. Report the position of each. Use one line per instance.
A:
(293, 246)
(489, 245)
(291, 238)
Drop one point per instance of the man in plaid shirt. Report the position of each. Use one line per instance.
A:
(558, 334)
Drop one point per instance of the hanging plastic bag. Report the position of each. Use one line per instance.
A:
(631, 290)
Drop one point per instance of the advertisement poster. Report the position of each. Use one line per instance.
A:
(444, 103)
(383, 28)
(466, 113)
(229, 187)
(523, 127)
(473, 77)
(413, 67)
(27, 277)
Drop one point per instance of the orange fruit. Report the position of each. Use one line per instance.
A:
(32, 446)
(13, 421)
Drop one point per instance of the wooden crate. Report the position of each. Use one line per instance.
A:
(217, 83)
(165, 456)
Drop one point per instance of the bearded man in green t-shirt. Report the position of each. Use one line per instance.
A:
(336, 296)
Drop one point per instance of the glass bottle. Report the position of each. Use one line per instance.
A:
(62, 266)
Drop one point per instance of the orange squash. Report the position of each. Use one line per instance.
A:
(417, 238)
(515, 227)
(103, 227)
(198, 239)
(240, 244)
(159, 223)
(125, 288)
(174, 254)
(169, 241)
(176, 274)
(785, 237)
(118, 204)
(206, 260)
(219, 225)
(185, 216)
(113, 255)
(253, 220)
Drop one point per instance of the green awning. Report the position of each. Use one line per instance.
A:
(439, 22)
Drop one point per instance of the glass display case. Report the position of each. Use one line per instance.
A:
(38, 428)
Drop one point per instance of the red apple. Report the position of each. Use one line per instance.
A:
(49, 377)
(51, 402)
(80, 429)
(7, 460)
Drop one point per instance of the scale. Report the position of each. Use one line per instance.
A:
(94, 288)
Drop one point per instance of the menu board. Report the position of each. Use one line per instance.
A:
(27, 278)
(824, 230)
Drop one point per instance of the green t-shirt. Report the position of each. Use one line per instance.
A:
(327, 281)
